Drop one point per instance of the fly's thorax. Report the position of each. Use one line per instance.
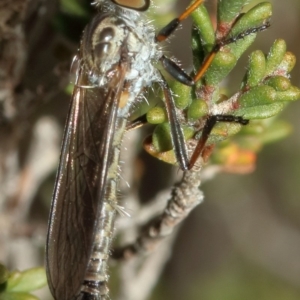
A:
(144, 52)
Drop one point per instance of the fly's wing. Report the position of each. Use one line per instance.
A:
(80, 182)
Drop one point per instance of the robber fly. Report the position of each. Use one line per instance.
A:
(114, 64)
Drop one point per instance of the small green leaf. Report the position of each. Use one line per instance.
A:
(27, 281)
(252, 18)
(156, 115)
(197, 109)
(256, 68)
(275, 56)
(17, 296)
(229, 9)
(182, 95)
(277, 131)
(261, 111)
(203, 23)
(288, 62)
(253, 128)
(292, 94)
(69, 89)
(225, 129)
(73, 7)
(279, 83)
(161, 138)
(188, 132)
(240, 46)
(257, 96)
(3, 274)
(197, 48)
(222, 64)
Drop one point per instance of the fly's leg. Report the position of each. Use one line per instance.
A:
(180, 75)
(167, 30)
(208, 127)
(137, 123)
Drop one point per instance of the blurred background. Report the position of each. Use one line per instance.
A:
(243, 242)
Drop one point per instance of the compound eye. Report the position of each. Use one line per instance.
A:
(140, 5)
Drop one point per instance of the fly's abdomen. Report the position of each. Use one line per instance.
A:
(96, 276)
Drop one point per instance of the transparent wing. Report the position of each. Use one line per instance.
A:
(85, 158)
